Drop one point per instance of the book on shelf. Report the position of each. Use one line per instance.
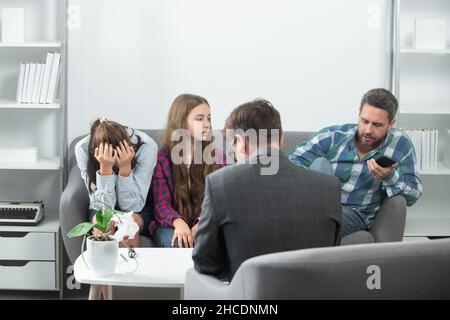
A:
(417, 146)
(431, 138)
(35, 96)
(31, 76)
(46, 79)
(54, 75)
(25, 82)
(415, 136)
(434, 148)
(425, 151)
(426, 146)
(41, 81)
(37, 82)
(447, 148)
(20, 81)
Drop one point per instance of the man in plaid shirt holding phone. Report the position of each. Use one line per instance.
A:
(350, 152)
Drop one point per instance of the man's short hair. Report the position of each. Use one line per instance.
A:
(257, 115)
(382, 99)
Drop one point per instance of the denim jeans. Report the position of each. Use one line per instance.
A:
(351, 220)
(162, 237)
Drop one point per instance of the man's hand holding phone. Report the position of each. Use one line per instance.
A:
(379, 171)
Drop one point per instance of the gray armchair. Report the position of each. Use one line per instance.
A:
(400, 270)
(389, 224)
(390, 220)
(74, 206)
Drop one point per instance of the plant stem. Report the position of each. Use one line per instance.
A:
(82, 252)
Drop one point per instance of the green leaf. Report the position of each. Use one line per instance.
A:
(99, 217)
(103, 219)
(107, 216)
(80, 229)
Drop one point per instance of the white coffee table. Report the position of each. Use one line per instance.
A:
(157, 267)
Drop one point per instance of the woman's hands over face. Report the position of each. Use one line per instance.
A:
(107, 156)
(125, 154)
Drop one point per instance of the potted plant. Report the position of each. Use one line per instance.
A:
(103, 247)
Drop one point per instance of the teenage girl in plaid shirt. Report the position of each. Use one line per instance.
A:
(178, 182)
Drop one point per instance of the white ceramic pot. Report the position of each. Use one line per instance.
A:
(102, 256)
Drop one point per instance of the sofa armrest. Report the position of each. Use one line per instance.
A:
(204, 287)
(73, 210)
(358, 237)
(390, 220)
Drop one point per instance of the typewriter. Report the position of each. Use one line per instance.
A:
(21, 213)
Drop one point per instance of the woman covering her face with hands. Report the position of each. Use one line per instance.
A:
(116, 164)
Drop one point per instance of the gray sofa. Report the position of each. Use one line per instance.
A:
(397, 270)
(389, 224)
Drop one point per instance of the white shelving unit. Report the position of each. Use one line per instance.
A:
(440, 170)
(421, 110)
(13, 104)
(435, 226)
(32, 44)
(35, 263)
(424, 51)
(421, 81)
(40, 164)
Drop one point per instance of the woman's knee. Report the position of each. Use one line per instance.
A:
(162, 237)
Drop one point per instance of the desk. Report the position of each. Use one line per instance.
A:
(157, 267)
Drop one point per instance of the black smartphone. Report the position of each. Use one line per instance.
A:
(385, 161)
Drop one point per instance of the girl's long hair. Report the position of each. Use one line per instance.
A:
(189, 184)
(105, 131)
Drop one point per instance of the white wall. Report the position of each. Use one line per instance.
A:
(127, 60)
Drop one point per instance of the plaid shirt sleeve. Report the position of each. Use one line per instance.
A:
(315, 147)
(405, 179)
(164, 211)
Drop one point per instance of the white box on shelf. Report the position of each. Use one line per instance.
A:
(13, 25)
(18, 154)
(430, 34)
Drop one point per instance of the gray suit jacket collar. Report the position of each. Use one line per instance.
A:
(270, 160)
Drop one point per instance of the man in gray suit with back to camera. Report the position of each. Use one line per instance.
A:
(263, 204)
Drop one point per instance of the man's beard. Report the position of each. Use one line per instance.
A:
(368, 142)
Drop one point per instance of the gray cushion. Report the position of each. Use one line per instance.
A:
(291, 139)
(407, 270)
